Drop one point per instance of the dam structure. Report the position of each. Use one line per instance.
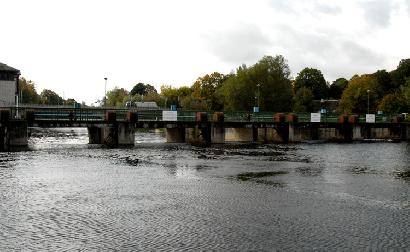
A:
(117, 127)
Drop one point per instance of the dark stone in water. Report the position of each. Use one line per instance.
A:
(403, 175)
(131, 161)
(252, 175)
(270, 183)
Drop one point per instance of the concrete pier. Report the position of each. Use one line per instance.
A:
(299, 133)
(217, 134)
(199, 135)
(13, 135)
(174, 134)
(406, 134)
(17, 134)
(239, 135)
(270, 135)
(126, 134)
(13, 132)
(357, 133)
(94, 134)
(334, 134)
(112, 135)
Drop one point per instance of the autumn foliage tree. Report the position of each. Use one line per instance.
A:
(354, 98)
(49, 97)
(28, 92)
(116, 97)
(204, 91)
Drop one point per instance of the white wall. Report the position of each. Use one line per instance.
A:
(7, 93)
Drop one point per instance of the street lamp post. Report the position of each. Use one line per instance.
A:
(258, 93)
(105, 93)
(368, 101)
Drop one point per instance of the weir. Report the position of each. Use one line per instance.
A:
(114, 128)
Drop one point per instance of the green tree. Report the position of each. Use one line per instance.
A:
(337, 88)
(142, 89)
(354, 98)
(28, 92)
(268, 79)
(303, 100)
(406, 91)
(401, 73)
(70, 102)
(50, 97)
(312, 78)
(150, 97)
(204, 92)
(174, 96)
(116, 97)
(385, 81)
(394, 103)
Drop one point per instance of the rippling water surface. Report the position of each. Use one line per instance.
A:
(64, 194)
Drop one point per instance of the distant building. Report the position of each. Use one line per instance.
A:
(9, 89)
(329, 105)
(146, 105)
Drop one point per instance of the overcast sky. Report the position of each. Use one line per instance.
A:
(70, 45)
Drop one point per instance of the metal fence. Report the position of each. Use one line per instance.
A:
(67, 114)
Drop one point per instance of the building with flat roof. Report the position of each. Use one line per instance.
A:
(9, 88)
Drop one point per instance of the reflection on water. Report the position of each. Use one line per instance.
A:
(64, 194)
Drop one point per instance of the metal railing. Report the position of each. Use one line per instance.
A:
(84, 115)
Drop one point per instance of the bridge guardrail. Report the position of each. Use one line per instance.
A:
(64, 114)
(151, 115)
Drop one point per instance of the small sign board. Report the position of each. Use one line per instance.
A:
(169, 116)
(255, 109)
(370, 118)
(314, 117)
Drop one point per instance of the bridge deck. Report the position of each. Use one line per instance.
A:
(81, 116)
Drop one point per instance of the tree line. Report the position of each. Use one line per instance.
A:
(267, 84)
(29, 95)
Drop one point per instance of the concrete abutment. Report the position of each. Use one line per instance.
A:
(13, 135)
(112, 135)
(175, 134)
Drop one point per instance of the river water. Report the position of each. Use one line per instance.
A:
(64, 195)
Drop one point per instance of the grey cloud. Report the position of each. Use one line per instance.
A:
(241, 44)
(311, 6)
(335, 55)
(328, 9)
(358, 53)
(408, 6)
(281, 5)
(377, 12)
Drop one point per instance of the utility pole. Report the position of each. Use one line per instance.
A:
(105, 93)
(368, 101)
(259, 93)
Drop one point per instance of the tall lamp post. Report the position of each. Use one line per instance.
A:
(105, 92)
(368, 101)
(259, 93)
